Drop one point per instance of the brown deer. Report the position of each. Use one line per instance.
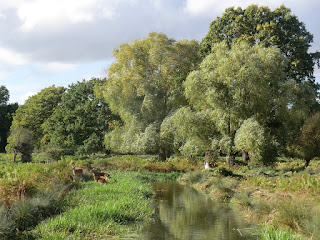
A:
(77, 171)
(97, 175)
(103, 180)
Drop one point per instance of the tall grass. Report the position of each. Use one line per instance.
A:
(270, 233)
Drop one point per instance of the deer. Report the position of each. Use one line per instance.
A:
(97, 175)
(103, 180)
(77, 171)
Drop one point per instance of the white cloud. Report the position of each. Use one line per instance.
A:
(208, 7)
(56, 67)
(10, 57)
(53, 12)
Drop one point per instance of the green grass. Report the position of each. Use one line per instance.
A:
(270, 233)
(100, 211)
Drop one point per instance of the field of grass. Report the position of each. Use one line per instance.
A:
(101, 211)
(42, 200)
(45, 201)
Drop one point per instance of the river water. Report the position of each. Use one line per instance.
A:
(183, 213)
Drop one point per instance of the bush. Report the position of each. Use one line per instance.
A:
(55, 153)
(24, 214)
(6, 225)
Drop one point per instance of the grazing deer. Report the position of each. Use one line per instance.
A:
(103, 180)
(77, 171)
(97, 175)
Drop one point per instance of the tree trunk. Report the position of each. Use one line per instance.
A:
(245, 157)
(230, 159)
(162, 154)
(307, 163)
(14, 155)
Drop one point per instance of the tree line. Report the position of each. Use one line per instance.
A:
(248, 87)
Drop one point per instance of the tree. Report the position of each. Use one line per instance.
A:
(189, 132)
(36, 110)
(20, 141)
(254, 141)
(238, 83)
(4, 95)
(260, 25)
(144, 85)
(6, 114)
(79, 123)
(308, 143)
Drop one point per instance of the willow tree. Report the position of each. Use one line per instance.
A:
(238, 83)
(144, 85)
(280, 28)
(191, 133)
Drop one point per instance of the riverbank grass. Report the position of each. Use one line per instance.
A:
(285, 196)
(102, 211)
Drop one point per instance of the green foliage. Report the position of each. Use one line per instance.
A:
(79, 123)
(144, 85)
(21, 141)
(6, 114)
(6, 224)
(260, 25)
(251, 137)
(238, 83)
(306, 144)
(309, 140)
(36, 110)
(4, 95)
(101, 211)
(189, 132)
(271, 233)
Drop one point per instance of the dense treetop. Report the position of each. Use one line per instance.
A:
(260, 25)
(145, 84)
(80, 121)
(36, 110)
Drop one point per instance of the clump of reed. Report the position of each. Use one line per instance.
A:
(271, 233)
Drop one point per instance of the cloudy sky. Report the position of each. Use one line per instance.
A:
(46, 42)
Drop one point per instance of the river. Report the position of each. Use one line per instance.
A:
(183, 213)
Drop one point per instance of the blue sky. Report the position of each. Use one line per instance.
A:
(59, 42)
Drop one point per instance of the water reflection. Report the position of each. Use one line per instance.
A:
(183, 213)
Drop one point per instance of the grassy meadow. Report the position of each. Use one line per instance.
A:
(45, 201)
(42, 200)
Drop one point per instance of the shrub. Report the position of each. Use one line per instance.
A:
(6, 225)
(24, 214)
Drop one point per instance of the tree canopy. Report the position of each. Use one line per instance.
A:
(278, 28)
(307, 145)
(6, 114)
(80, 121)
(36, 110)
(238, 83)
(144, 85)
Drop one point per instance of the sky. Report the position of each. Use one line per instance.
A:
(59, 42)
